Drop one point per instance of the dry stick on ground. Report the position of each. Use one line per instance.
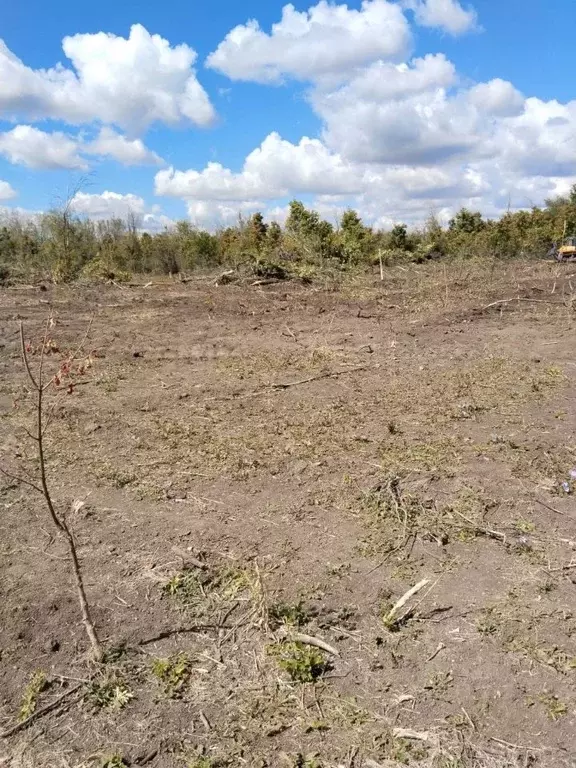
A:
(40, 712)
(520, 298)
(329, 375)
(39, 386)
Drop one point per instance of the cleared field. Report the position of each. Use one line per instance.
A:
(321, 449)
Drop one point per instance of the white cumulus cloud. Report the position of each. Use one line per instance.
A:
(210, 214)
(448, 15)
(131, 82)
(7, 191)
(29, 146)
(326, 40)
(109, 143)
(275, 169)
(497, 97)
(108, 205)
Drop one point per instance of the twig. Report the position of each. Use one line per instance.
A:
(498, 535)
(163, 635)
(189, 559)
(40, 712)
(331, 374)
(21, 480)
(566, 567)
(520, 747)
(353, 755)
(440, 647)
(519, 298)
(552, 509)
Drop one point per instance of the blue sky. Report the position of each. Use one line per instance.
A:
(399, 108)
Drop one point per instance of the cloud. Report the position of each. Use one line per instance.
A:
(107, 205)
(7, 192)
(37, 149)
(113, 205)
(128, 152)
(398, 143)
(497, 97)
(211, 215)
(29, 146)
(407, 114)
(447, 15)
(325, 40)
(130, 82)
(275, 169)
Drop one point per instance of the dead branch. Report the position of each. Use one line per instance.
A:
(329, 375)
(391, 617)
(552, 509)
(519, 298)
(315, 642)
(40, 712)
(188, 559)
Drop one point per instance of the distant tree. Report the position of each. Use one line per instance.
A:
(314, 235)
(467, 222)
(399, 237)
(354, 235)
(274, 235)
(256, 229)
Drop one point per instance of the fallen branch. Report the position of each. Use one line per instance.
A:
(566, 567)
(391, 617)
(489, 532)
(164, 635)
(331, 374)
(440, 647)
(315, 642)
(40, 712)
(408, 733)
(552, 509)
(519, 298)
(189, 559)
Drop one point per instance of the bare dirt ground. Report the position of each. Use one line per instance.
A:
(424, 436)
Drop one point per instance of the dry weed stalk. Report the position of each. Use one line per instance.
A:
(39, 386)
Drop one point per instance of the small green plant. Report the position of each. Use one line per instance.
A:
(113, 761)
(111, 693)
(185, 587)
(36, 685)
(555, 709)
(305, 761)
(202, 762)
(524, 526)
(303, 663)
(192, 588)
(295, 615)
(401, 751)
(173, 673)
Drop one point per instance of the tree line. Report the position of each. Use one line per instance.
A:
(61, 246)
